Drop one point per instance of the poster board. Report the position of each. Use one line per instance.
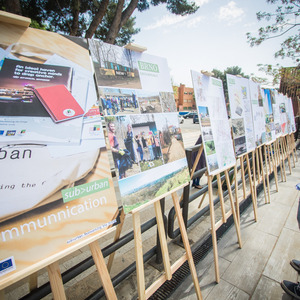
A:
(291, 116)
(268, 101)
(241, 114)
(257, 112)
(56, 196)
(213, 120)
(276, 112)
(137, 102)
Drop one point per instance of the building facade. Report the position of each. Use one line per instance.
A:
(184, 98)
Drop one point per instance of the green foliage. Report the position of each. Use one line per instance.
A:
(283, 21)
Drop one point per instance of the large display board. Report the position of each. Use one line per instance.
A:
(215, 129)
(276, 112)
(268, 101)
(241, 114)
(137, 101)
(56, 190)
(257, 112)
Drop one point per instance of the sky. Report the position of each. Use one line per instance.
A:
(213, 37)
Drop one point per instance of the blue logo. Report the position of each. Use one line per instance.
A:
(6, 264)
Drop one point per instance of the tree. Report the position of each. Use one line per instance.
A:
(284, 21)
(109, 20)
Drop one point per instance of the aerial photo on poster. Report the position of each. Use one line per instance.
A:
(137, 101)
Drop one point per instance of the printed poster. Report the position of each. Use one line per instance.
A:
(241, 114)
(56, 194)
(137, 102)
(268, 101)
(215, 129)
(291, 116)
(276, 111)
(257, 112)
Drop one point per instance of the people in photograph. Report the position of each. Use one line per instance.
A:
(150, 145)
(145, 146)
(115, 149)
(108, 105)
(139, 147)
(103, 104)
(129, 143)
(157, 147)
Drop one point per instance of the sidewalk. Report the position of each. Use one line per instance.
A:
(256, 270)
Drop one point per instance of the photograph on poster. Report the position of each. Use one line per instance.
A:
(238, 127)
(269, 116)
(168, 102)
(210, 147)
(213, 162)
(114, 66)
(204, 116)
(170, 137)
(152, 184)
(149, 102)
(240, 145)
(146, 137)
(113, 101)
(207, 134)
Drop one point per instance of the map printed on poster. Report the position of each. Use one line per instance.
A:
(291, 116)
(276, 111)
(57, 194)
(257, 112)
(136, 98)
(241, 114)
(215, 129)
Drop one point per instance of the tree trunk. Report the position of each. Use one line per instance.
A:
(75, 12)
(97, 19)
(128, 12)
(116, 24)
(13, 6)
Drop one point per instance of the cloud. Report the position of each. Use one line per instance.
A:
(194, 22)
(201, 2)
(231, 13)
(167, 20)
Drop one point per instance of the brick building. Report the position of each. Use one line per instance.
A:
(184, 98)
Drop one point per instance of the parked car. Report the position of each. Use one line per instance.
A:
(190, 115)
(196, 119)
(182, 113)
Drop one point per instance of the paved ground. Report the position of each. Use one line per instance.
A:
(256, 270)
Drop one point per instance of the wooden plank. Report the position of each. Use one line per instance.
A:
(33, 281)
(237, 204)
(102, 271)
(236, 223)
(254, 204)
(274, 166)
(162, 239)
(267, 173)
(254, 175)
(56, 283)
(213, 228)
(186, 244)
(262, 173)
(139, 255)
(116, 238)
(14, 19)
(220, 192)
(243, 175)
(282, 158)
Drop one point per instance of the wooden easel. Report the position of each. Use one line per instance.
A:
(271, 160)
(144, 293)
(264, 175)
(214, 225)
(284, 151)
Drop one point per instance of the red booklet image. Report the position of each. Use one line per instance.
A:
(59, 103)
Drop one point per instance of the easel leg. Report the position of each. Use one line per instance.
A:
(220, 191)
(267, 173)
(287, 154)
(237, 204)
(243, 176)
(139, 255)
(274, 167)
(257, 165)
(254, 175)
(2, 295)
(291, 149)
(117, 236)
(102, 271)
(277, 151)
(251, 188)
(56, 283)
(236, 222)
(186, 245)
(262, 173)
(162, 239)
(213, 228)
(282, 158)
(33, 281)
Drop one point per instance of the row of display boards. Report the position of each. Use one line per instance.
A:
(56, 190)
